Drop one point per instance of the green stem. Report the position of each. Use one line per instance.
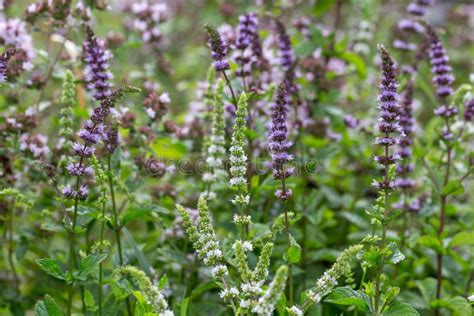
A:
(101, 242)
(288, 240)
(11, 246)
(72, 242)
(117, 226)
(382, 242)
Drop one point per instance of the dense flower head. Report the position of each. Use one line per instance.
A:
(4, 58)
(469, 110)
(111, 139)
(442, 71)
(156, 106)
(148, 17)
(404, 151)
(266, 303)
(97, 72)
(238, 158)
(287, 58)
(388, 123)
(216, 150)
(13, 33)
(418, 7)
(278, 144)
(218, 49)
(203, 237)
(329, 279)
(246, 32)
(152, 293)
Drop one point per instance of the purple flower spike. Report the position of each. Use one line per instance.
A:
(442, 72)
(388, 123)
(278, 145)
(4, 58)
(407, 123)
(218, 49)
(469, 110)
(287, 58)
(111, 139)
(246, 34)
(97, 72)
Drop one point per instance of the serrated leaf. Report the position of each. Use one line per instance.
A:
(51, 267)
(357, 61)
(432, 243)
(48, 307)
(89, 301)
(163, 282)
(453, 188)
(89, 264)
(398, 309)
(458, 305)
(347, 296)
(462, 238)
(293, 253)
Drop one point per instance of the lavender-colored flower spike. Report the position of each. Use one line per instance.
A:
(278, 144)
(287, 58)
(388, 123)
(246, 33)
(111, 139)
(218, 48)
(3, 63)
(469, 110)
(406, 119)
(417, 9)
(97, 72)
(442, 72)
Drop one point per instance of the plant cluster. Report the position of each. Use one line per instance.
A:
(322, 167)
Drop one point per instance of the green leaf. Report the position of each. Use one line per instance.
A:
(48, 307)
(432, 243)
(111, 306)
(184, 307)
(453, 188)
(293, 253)
(462, 238)
(357, 61)
(427, 288)
(51, 267)
(458, 305)
(322, 6)
(89, 301)
(396, 255)
(138, 253)
(347, 296)
(163, 282)
(398, 309)
(89, 264)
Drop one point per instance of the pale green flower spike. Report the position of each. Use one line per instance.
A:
(100, 177)
(151, 292)
(68, 99)
(216, 150)
(261, 269)
(266, 304)
(326, 283)
(204, 238)
(238, 158)
(241, 259)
